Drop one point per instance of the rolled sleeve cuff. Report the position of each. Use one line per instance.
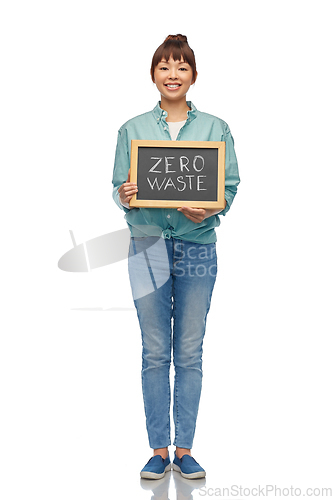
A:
(229, 197)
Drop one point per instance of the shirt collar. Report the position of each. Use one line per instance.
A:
(159, 113)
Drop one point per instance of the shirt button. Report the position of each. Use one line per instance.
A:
(163, 113)
(164, 128)
(168, 216)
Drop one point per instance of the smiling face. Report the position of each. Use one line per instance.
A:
(173, 78)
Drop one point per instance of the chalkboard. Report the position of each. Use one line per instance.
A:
(178, 173)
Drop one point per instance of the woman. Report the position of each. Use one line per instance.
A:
(172, 313)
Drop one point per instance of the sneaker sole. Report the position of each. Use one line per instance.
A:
(154, 475)
(193, 475)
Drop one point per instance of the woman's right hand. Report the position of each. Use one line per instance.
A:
(127, 190)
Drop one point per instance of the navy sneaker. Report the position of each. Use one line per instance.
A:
(188, 467)
(156, 467)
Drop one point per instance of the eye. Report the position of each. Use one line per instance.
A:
(183, 69)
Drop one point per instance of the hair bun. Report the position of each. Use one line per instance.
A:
(179, 38)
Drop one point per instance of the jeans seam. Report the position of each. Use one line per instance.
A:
(176, 403)
(174, 343)
(170, 355)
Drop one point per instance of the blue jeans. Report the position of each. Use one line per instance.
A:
(172, 283)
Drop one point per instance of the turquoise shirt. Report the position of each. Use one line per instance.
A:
(168, 222)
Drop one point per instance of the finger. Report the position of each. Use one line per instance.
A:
(194, 212)
(193, 218)
(124, 197)
(127, 185)
(130, 192)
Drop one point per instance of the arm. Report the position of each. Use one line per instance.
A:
(123, 190)
(231, 182)
(231, 171)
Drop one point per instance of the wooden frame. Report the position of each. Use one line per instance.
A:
(219, 145)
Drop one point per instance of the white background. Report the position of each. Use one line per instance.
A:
(72, 421)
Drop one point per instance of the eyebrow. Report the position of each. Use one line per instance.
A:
(167, 62)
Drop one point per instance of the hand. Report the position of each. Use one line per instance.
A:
(194, 214)
(127, 190)
(198, 214)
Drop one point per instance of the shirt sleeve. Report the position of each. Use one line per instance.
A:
(121, 167)
(231, 171)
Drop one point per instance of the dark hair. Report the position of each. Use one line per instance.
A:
(177, 47)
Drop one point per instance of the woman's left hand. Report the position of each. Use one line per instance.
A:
(197, 214)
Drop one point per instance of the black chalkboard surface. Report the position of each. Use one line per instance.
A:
(178, 173)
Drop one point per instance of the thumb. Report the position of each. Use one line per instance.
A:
(128, 177)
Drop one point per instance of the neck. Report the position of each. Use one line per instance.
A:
(177, 110)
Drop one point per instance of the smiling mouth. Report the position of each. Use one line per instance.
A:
(172, 85)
